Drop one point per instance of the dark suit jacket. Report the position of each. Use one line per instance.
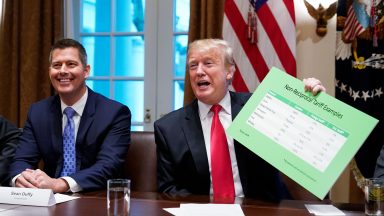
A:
(101, 144)
(379, 169)
(183, 164)
(9, 137)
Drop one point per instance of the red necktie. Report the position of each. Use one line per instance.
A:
(221, 169)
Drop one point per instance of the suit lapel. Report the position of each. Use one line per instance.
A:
(55, 122)
(237, 103)
(86, 119)
(195, 138)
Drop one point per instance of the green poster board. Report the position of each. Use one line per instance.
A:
(309, 138)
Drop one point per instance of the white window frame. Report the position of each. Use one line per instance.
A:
(158, 34)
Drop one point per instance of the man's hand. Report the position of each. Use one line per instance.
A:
(314, 85)
(26, 179)
(39, 179)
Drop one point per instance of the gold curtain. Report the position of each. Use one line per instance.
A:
(28, 29)
(206, 21)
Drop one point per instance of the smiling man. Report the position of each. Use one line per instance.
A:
(194, 156)
(81, 136)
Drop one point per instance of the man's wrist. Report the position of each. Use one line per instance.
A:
(72, 184)
(61, 186)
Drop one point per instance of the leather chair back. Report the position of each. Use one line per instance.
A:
(140, 163)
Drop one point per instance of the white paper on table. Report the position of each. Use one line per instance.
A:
(4, 207)
(174, 211)
(60, 198)
(321, 209)
(206, 210)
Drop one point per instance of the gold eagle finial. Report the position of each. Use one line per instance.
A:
(321, 15)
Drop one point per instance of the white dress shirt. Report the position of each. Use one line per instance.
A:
(79, 108)
(225, 116)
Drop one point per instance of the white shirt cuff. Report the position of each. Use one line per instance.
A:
(13, 182)
(73, 186)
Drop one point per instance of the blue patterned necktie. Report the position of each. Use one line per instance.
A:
(69, 144)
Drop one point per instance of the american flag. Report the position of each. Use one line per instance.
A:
(362, 87)
(276, 39)
(357, 21)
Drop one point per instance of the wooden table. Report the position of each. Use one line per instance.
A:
(152, 204)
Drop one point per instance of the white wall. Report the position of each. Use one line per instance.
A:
(315, 57)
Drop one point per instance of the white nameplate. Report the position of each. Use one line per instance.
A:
(27, 196)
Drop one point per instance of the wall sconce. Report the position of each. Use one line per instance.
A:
(321, 15)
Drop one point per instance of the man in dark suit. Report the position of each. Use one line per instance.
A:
(184, 142)
(99, 130)
(9, 138)
(379, 169)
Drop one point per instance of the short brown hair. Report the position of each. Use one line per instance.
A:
(66, 43)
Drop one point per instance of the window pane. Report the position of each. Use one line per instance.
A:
(181, 19)
(180, 55)
(95, 16)
(178, 94)
(129, 56)
(130, 15)
(131, 93)
(137, 128)
(98, 49)
(99, 86)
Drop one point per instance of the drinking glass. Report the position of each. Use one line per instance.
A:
(118, 197)
(374, 196)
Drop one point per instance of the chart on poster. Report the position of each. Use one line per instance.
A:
(300, 131)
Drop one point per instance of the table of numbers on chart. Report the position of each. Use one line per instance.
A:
(300, 131)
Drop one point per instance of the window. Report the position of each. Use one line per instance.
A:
(180, 29)
(137, 52)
